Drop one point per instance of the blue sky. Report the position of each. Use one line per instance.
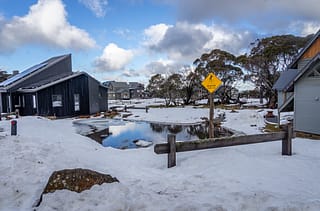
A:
(130, 40)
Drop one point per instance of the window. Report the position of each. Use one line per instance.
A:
(76, 102)
(56, 100)
(34, 102)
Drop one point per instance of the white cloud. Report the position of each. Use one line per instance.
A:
(155, 33)
(96, 6)
(46, 24)
(113, 58)
(269, 16)
(161, 66)
(305, 28)
(184, 42)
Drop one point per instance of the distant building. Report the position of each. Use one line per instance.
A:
(124, 90)
(117, 90)
(299, 88)
(52, 89)
(136, 90)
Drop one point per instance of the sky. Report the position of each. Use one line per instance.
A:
(131, 40)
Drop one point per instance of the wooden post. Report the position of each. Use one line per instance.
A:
(172, 150)
(211, 114)
(147, 108)
(287, 140)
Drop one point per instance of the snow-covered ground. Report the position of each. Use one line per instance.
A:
(248, 177)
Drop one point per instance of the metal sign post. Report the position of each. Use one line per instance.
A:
(211, 115)
(211, 83)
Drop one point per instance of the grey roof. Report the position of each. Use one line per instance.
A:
(135, 85)
(22, 74)
(285, 79)
(30, 71)
(116, 85)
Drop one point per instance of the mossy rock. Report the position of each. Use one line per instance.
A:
(76, 180)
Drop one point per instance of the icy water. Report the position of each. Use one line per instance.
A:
(128, 135)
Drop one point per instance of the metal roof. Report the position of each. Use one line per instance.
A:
(30, 71)
(285, 79)
(22, 74)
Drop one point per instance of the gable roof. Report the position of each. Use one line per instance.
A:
(285, 79)
(135, 85)
(14, 80)
(300, 54)
(117, 85)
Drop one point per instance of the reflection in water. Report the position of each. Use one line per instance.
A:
(126, 134)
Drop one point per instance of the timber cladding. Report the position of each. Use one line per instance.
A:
(313, 50)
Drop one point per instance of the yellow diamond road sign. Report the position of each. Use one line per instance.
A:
(211, 82)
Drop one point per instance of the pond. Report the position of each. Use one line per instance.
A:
(130, 134)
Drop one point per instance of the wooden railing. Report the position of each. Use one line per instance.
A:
(172, 147)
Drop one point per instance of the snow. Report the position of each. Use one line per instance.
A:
(247, 177)
(143, 143)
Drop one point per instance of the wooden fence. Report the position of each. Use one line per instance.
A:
(172, 147)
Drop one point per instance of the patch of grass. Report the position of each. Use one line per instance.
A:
(307, 135)
(271, 128)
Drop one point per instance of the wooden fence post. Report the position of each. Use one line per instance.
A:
(287, 140)
(172, 150)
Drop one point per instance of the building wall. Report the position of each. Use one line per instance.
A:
(280, 98)
(103, 102)
(27, 107)
(5, 103)
(67, 89)
(307, 105)
(94, 96)
(313, 50)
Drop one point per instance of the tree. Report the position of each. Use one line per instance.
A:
(223, 65)
(172, 88)
(155, 85)
(269, 56)
(4, 75)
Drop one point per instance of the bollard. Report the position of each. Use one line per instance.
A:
(17, 113)
(14, 127)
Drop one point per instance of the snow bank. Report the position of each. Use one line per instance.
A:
(251, 177)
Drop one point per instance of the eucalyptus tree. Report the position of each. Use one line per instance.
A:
(224, 65)
(267, 58)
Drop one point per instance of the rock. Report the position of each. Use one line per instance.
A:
(76, 180)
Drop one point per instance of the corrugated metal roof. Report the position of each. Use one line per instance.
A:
(285, 79)
(22, 74)
(30, 71)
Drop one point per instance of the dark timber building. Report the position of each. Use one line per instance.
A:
(52, 89)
